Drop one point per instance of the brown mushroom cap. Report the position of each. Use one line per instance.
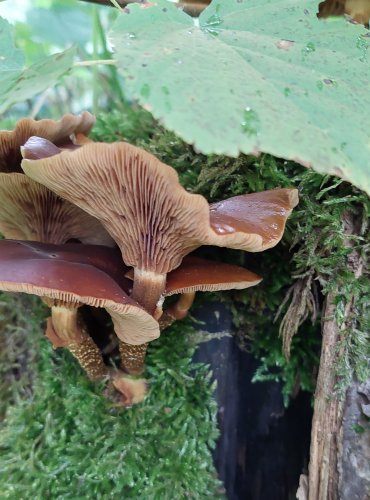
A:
(58, 132)
(65, 274)
(201, 275)
(30, 211)
(262, 216)
(140, 202)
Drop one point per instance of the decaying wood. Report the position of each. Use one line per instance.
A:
(192, 7)
(354, 456)
(328, 410)
(326, 434)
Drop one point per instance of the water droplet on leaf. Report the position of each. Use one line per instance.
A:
(310, 47)
(250, 121)
(214, 20)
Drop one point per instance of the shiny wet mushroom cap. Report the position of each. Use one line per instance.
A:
(252, 222)
(64, 274)
(61, 132)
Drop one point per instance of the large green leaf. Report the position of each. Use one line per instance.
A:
(17, 84)
(254, 76)
(11, 58)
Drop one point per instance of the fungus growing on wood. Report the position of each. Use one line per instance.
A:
(50, 271)
(153, 219)
(60, 133)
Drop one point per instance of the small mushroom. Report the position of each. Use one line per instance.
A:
(50, 271)
(61, 133)
(201, 275)
(153, 219)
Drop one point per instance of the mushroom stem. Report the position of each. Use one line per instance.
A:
(148, 288)
(67, 329)
(132, 357)
(166, 321)
(89, 356)
(181, 308)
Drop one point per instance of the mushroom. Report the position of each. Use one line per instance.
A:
(153, 219)
(50, 271)
(30, 211)
(68, 130)
(200, 275)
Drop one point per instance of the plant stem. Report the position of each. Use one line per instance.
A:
(95, 62)
(117, 5)
(95, 42)
(114, 79)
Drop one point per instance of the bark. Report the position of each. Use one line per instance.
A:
(328, 410)
(354, 460)
(329, 436)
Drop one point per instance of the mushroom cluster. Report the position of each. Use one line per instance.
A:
(109, 225)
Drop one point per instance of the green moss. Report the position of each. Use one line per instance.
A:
(67, 441)
(19, 329)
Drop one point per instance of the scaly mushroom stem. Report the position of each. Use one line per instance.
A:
(132, 357)
(148, 288)
(67, 329)
(89, 356)
(166, 321)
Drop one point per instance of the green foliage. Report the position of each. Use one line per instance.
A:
(16, 84)
(252, 76)
(67, 441)
(64, 22)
